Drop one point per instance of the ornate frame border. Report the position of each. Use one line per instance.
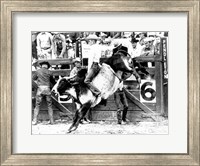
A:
(190, 6)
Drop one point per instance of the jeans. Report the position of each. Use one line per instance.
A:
(120, 97)
(91, 74)
(43, 91)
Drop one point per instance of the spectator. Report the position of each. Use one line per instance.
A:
(103, 40)
(156, 42)
(117, 35)
(136, 50)
(68, 38)
(151, 34)
(44, 45)
(141, 36)
(127, 35)
(43, 76)
(34, 46)
(69, 48)
(148, 50)
(59, 45)
(138, 65)
(71, 51)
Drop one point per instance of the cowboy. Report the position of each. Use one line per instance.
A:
(76, 80)
(43, 76)
(120, 99)
(75, 77)
(77, 67)
(93, 63)
(125, 75)
(119, 95)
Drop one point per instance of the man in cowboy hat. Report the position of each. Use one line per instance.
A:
(43, 76)
(141, 36)
(136, 49)
(103, 39)
(76, 79)
(120, 99)
(93, 62)
(77, 67)
(148, 50)
(119, 95)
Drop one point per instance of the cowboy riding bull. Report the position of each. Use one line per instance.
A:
(117, 68)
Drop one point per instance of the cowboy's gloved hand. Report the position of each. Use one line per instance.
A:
(139, 80)
(137, 76)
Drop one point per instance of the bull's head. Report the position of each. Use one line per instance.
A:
(127, 62)
(63, 88)
(121, 60)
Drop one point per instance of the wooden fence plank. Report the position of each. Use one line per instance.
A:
(61, 72)
(61, 107)
(138, 103)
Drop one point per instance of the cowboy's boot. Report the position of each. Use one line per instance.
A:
(35, 115)
(94, 90)
(50, 111)
(119, 117)
(124, 113)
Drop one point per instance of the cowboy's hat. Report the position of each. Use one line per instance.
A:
(120, 48)
(160, 34)
(46, 63)
(102, 34)
(138, 33)
(148, 39)
(151, 33)
(77, 60)
(134, 40)
(92, 37)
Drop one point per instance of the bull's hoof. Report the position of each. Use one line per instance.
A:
(72, 128)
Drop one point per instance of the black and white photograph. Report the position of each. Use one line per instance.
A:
(99, 83)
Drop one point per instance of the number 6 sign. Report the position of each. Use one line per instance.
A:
(148, 91)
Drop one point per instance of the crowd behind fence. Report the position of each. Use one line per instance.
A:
(55, 45)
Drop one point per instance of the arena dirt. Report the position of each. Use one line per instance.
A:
(102, 127)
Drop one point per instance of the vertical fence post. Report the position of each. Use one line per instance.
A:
(159, 77)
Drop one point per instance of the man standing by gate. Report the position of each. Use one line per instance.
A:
(43, 76)
(120, 97)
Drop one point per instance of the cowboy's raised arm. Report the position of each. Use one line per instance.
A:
(137, 76)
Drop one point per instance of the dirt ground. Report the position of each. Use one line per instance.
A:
(102, 127)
